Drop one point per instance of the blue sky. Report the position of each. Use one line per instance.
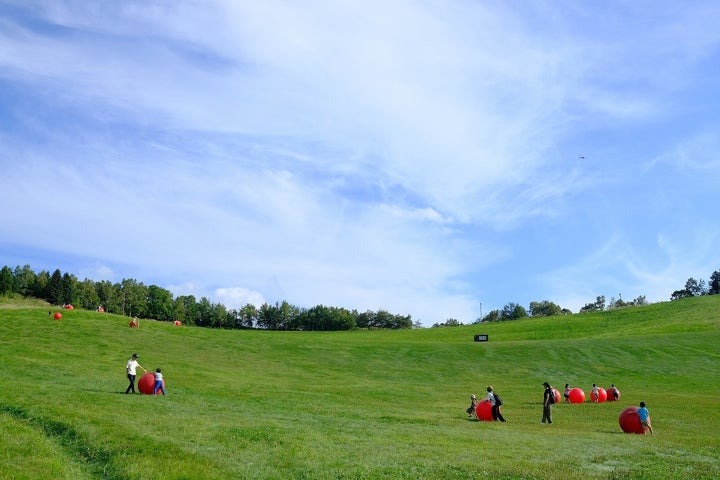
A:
(429, 158)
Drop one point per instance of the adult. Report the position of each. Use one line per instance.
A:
(130, 368)
(496, 403)
(548, 400)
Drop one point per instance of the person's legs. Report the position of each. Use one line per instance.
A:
(494, 411)
(131, 387)
(547, 414)
(499, 414)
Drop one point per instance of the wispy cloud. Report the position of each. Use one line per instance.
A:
(368, 155)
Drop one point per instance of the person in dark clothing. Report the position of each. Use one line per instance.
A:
(496, 403)
(548, 400)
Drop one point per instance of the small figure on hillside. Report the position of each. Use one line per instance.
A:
(496, 402)
(158, 382)
(130, 368)
(566, 394)
(644, 415)
(548, 401)
(594, 394)
(473, 405)
(614, 393)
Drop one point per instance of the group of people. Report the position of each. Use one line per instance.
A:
(495, 401)
(131, 369)
(549, 400)
(613, 393)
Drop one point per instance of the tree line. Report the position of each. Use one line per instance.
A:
(546, 308)
(132, 298)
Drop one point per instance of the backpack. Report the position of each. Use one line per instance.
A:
(498, 400)
(551, 398)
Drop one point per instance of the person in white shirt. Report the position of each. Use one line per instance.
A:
(158, 382)
(131, 367)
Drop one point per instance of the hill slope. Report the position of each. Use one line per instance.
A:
(364, 404)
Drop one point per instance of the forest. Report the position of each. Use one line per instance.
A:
(135, 299)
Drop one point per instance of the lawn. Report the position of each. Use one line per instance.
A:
(360, 404)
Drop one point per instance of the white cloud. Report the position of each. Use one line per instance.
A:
(238, 297)
(369, 155)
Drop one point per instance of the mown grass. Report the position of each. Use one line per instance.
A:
(363, 404)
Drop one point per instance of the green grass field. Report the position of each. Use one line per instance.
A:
(358, 405)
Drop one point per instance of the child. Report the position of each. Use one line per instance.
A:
(595, 394)
(158, 382)
(473, 404)
(566, 394)
(644, 418)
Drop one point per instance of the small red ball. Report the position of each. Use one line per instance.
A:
(57, 316)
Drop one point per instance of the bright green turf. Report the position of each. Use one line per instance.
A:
(363, 404)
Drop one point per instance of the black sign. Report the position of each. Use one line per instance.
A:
(481, 338)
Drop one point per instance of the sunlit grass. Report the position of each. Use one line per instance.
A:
(363, 404)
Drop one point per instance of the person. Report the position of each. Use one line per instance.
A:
(566, 394)
(131, 367)
(496, 403)
(644, 415)
(158, 382)
(471, 410)
(548, 400)
(473, 405)
(614, 393)
(595, 394)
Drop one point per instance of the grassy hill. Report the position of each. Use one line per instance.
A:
(358, 405)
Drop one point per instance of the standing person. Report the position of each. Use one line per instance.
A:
(473, 405)
(548, 400)
(496, 402)
(131, 367)
(566, 394)
(158, 382)
(595, 394)
(644, 415)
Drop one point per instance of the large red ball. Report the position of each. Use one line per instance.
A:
(576, 395)
(483, 410)
(600, 397)
(146, 384)
(629, 421)
(556, 393)
(57, 316)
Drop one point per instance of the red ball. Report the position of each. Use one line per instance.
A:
(146, 384)
(57, 316)
(600, 397)
(576, 395)
(483, 410)
(629, 421)
(177, 323)
(556, 393)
